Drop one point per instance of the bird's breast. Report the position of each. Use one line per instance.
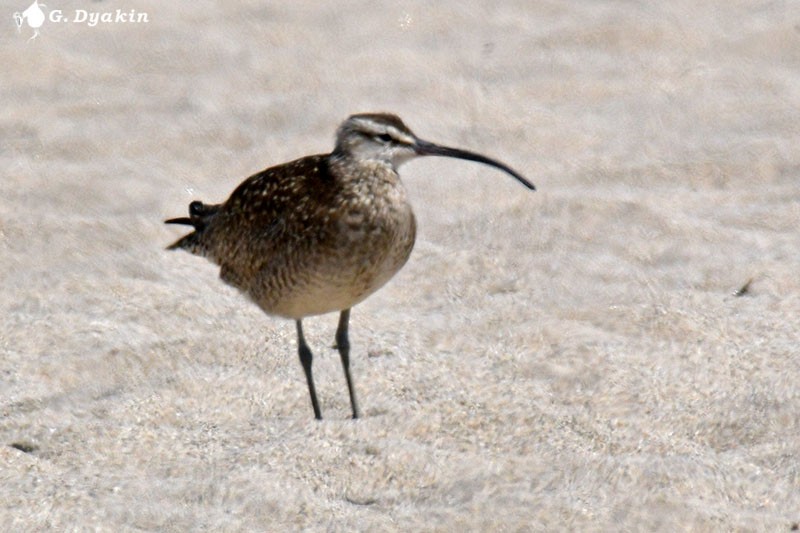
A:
(376, 231)
(369, 237)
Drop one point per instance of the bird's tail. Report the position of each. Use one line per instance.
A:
(199, 217)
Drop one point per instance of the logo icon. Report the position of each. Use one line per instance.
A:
(34, 16)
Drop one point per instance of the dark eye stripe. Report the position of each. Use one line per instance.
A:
(385, 137)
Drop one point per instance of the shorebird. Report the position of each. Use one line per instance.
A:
(321, 233)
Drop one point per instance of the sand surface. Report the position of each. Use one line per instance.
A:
(570, 359)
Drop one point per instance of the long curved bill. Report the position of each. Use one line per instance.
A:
(429, 148)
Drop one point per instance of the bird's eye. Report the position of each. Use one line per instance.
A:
(385, 137)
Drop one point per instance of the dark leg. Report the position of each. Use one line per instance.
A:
(305, 359)
(343, 345)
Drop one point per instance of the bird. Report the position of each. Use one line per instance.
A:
(321, 233)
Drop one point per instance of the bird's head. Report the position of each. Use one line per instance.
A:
(378, 137)
(384, 138)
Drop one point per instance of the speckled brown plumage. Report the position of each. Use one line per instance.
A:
(321, 233)
(308, 237)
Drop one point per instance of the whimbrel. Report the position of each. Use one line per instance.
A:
(321, 233)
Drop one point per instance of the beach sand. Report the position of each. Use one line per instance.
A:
(616, 351)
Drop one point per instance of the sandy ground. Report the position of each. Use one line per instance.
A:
(569, 359)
